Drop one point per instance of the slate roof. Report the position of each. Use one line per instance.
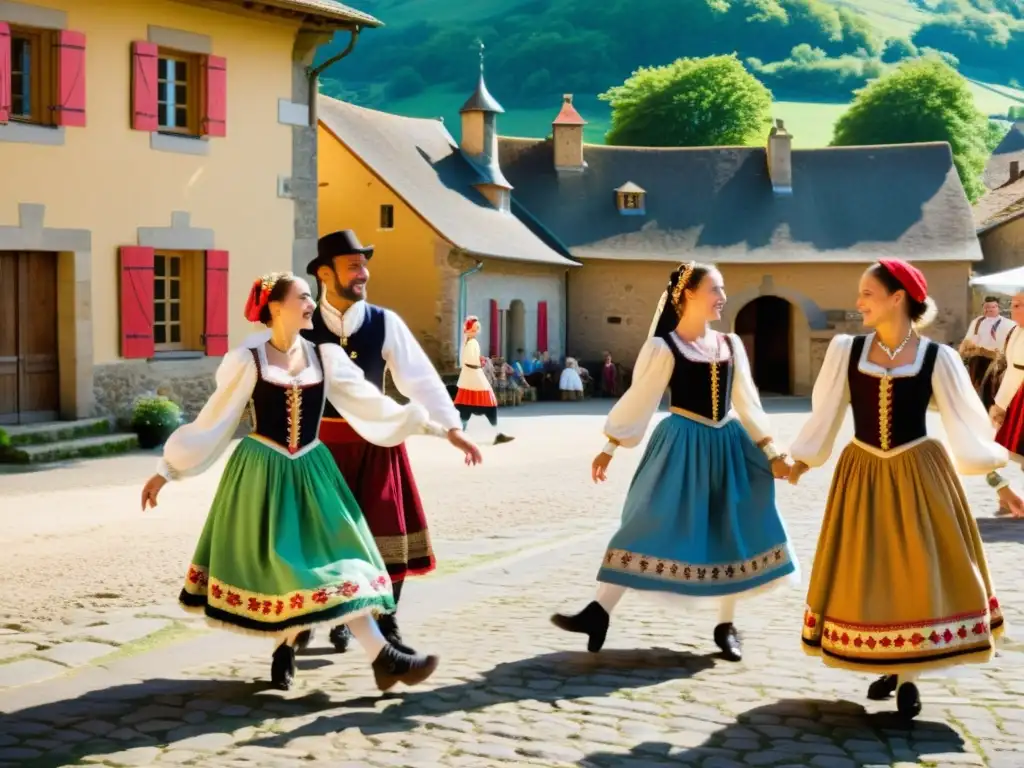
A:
(421, 162)
(997, 171)
(852, 204)
(1000, 206)
(327, 10)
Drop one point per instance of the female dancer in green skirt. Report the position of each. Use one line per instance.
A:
(285, 545)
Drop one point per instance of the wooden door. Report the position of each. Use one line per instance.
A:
(29, 369)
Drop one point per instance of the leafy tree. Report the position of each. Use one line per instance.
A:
(897, 49)
(1015, 113)
(921, 100)
(690, 103)
(405, 82)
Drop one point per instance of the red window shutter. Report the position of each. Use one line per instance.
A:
(136, 302)
(216, 325)
(144, 86)
(215, 112)
(5, 72)
(70, 107)
(542, 326)
(495, 329)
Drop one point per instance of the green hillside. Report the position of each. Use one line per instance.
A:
(812, 54)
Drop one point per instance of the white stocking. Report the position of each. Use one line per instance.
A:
(608, 596)
(366, 632)
(726, 610)
(907, 677)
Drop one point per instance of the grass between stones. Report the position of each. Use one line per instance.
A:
(174, 632)
(449, 567)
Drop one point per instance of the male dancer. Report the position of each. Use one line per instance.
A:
(983, 349)
(376, 339)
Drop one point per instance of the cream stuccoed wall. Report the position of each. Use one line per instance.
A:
(108, 180)
(508, 281)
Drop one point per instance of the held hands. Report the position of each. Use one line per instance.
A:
(996, 414)
(1011, 500)
(781, 468)
(599, 467)
(796, 472)
(458, 439)
(151, 490)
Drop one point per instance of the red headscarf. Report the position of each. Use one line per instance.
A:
(470, 322)
(910, 277)
(259, 295)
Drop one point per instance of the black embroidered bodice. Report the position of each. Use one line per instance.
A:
(889, 411)
(702, 388)
(365, 347)
(288, 415)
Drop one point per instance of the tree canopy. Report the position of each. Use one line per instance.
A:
(921, 100)
(706, 102)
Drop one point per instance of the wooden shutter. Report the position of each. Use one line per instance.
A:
(144, 86)
(542, 326)
(5, 72)
(215, 102)
(495, 329)
(70, 107)
(136, 302)
(215, 331)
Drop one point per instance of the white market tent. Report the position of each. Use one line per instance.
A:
(1010, 281)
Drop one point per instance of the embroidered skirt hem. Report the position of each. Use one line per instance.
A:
(700, 519)
(900, 580)
(1010, 434)
(476, 398)
(284, 546)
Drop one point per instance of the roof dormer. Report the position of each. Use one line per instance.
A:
(631, 199)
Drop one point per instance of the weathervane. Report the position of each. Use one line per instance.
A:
(481, 44)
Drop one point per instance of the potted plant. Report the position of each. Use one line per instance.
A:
(154, 418)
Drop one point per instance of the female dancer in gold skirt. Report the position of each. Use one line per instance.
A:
(899, 582)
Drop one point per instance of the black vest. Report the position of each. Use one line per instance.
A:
(692, 383)
(890, 411)
(287, 415)
(365, 347)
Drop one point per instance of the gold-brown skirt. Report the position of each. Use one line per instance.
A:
(900, 581)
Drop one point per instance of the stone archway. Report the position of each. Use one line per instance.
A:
(765, 326)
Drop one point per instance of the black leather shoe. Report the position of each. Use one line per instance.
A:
(392, 667)
(503, 438)
(302, 639)
(388, 624)
(340, 637)
(908, 701)
(883, 688)
(282, 668)
(728, 640)
(592, 621)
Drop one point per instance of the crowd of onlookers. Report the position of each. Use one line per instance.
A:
(542, 377)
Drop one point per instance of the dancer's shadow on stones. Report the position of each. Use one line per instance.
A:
(201, 714)
(546, 679)
(798, 732)
(1001, 530)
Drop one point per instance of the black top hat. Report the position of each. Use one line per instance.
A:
(329, 247)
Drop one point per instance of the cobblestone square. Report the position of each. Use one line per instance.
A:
(113, 674)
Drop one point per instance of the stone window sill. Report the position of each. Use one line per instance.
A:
(27, 133)
(182, 145)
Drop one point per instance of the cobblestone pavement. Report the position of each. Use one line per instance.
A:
(512, 690)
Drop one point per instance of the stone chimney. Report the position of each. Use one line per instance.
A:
(780, 159)
(567, 136)
(479, 144)
(1014, 170)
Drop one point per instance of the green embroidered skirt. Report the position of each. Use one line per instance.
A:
(284, 546)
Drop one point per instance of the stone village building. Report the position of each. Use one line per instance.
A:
(157, 156)
(999, 216)
(791, 230)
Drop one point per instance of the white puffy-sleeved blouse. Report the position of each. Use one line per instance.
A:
(194, 447)
(1014, 375)
(967, 425)
(628, 420)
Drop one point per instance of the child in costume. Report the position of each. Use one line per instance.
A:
(475, 395)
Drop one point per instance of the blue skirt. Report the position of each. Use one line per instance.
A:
(700, 518)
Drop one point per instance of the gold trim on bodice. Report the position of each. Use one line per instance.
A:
(293, 398)
(885, 411)
(714, 390)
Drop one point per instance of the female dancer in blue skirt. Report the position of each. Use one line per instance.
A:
(700, 519)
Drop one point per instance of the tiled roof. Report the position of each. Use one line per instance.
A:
(852, 204)
(999, 205)
(327, 10)
(997, 172)
(568, 114)
(421, 162)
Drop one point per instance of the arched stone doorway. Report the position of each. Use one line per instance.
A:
(515, 329)
(766, 327)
